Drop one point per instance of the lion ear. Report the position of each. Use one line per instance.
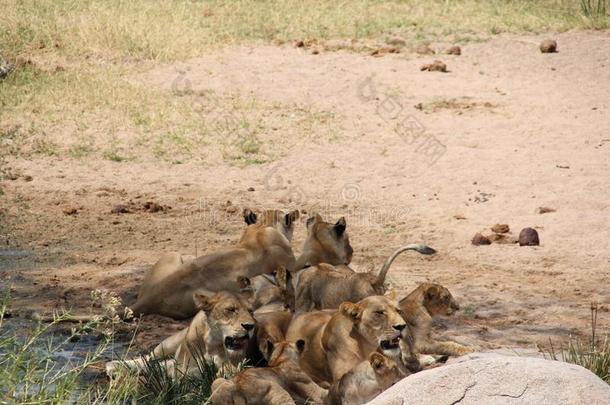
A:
(313, 220)
(377, 360)
(431, 292)
(340, 227)
(249, 216)
(350, 309)
(244, 282)
(204, 300)
(300, 345)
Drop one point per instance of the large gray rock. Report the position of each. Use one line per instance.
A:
(491, 378)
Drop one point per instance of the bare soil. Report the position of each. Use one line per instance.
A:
(415, 156)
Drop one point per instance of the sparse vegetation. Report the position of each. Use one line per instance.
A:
(592, 353)
(75, 61)
(33, 371)
(595, 11)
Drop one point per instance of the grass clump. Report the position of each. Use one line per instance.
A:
(592, 353)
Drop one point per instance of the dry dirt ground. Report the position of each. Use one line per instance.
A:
(406, 156)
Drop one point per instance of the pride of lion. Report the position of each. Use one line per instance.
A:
(311, 329)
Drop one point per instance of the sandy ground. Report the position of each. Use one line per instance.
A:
(415, 157)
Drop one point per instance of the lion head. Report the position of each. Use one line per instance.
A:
(229, 316)
(284, 223)
(438, 300)
(378, 321)
(387, 372)
(326, 242)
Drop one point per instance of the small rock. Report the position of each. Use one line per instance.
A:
(500, 228)
(528, 237)
(396, 41)
(545, 210)
(119, 209)
(384, 50)
(479, 240)
(299, 44)
(424, 50)
(315, 51)
(502, 238)
(153, 207)
(70, 211)
(27, 177)
(454, 50)
(548, 46)
(459, 217)
(436, 66)
(250, 188)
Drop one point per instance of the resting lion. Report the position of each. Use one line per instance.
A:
(419, 307)
(325, 243)
(324, 287)
(220, 332)
(279, 384)
(337, 341)
(168, 288)
(365, 381)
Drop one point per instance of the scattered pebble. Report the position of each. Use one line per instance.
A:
(500, 228)
(478, 240)
(119, 209)
(28, 178)
(528, 237)
(70, 211)
(436, 66)
(315, 51)
(151, 206)
(548, 46)
(459, 217)
(299, 44)
(384, 50)
(454, 50)
(250, 188)
(545, 210)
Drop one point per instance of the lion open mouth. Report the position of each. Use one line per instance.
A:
(391, 344)
(236, 343)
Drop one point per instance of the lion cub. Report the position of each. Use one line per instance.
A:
(365, 381)
(419, 307)
(221, 332)
(277, 384)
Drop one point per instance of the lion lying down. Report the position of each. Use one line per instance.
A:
(279, 384)
(337, 341)
(419, 308)
(167, 289)
(220, 331)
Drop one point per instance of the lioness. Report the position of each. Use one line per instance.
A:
(277, 384)
(365, 381)
(323, 287)
(168, 288)
(419, 307)
(220, 332)
(325, 243)
(337, 341)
